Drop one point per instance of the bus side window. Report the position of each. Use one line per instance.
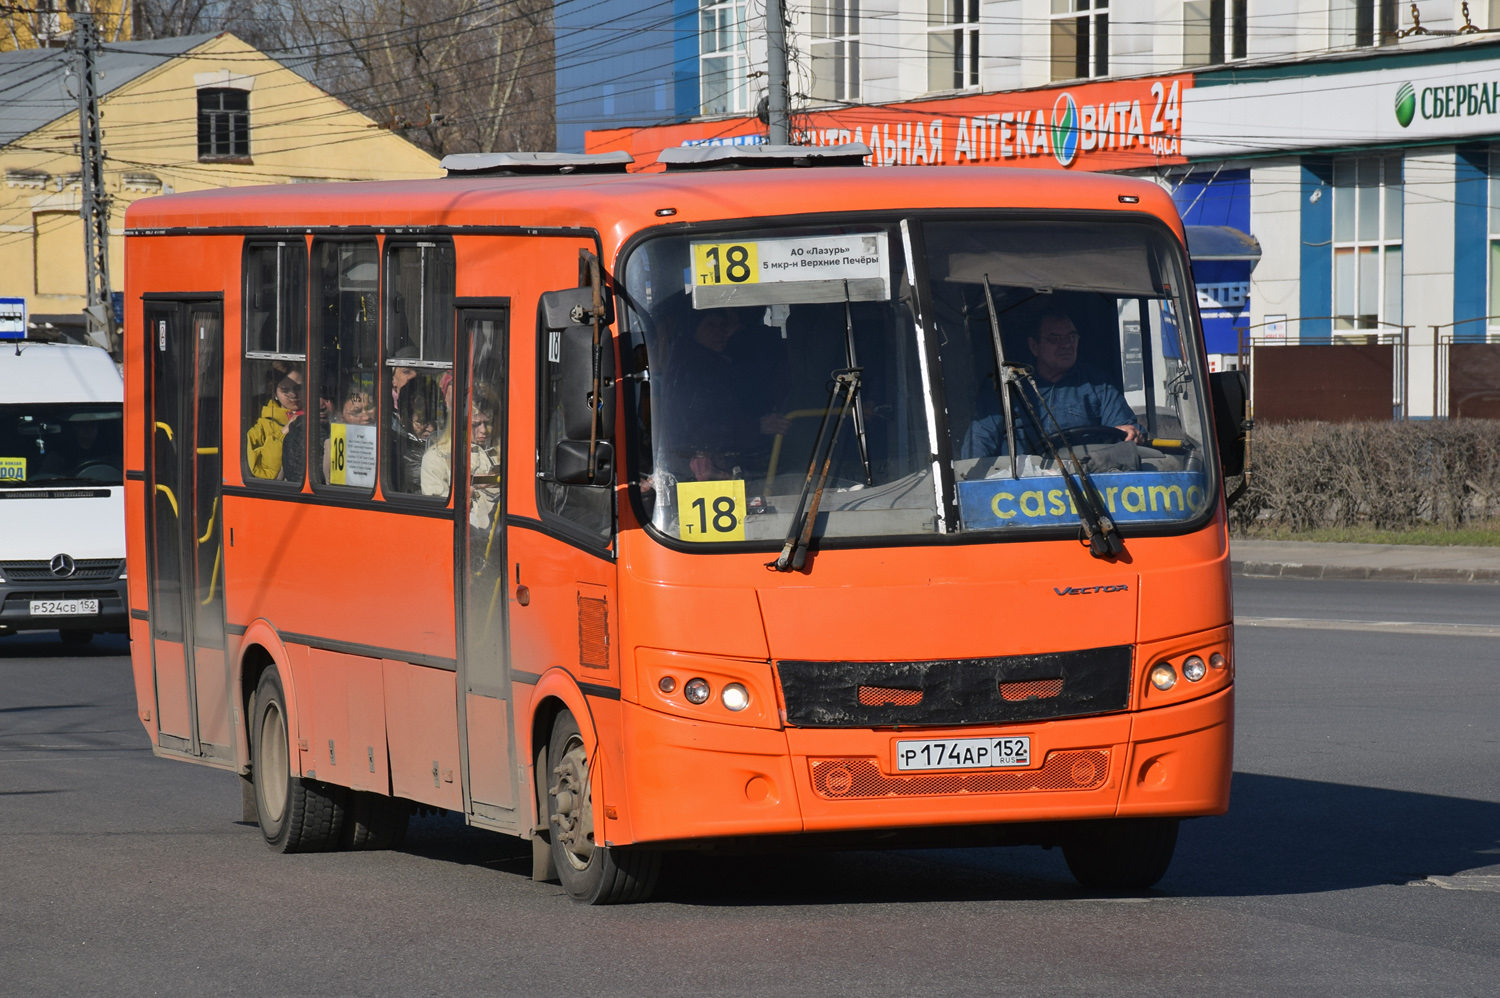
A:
(583, 510)
(346, 364)
(417, 380)
(275, 368)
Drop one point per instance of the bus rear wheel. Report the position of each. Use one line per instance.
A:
(295, 815)
(590, 873)
(1121, 854)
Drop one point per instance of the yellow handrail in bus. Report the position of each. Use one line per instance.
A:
(213, 580)
(170, 498)
(164, 426)
(776, 444)
(212, 512)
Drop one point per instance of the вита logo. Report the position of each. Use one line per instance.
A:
(1065, 129)
(1406, 104)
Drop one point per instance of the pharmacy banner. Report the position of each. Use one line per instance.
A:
(1119, 125)
(1453, 100)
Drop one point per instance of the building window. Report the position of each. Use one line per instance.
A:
(223, 124)
(722, 62)
(835, 50)
(1367, 196)
(1494, 231)
(1212, 30)
(952, 44)
(1080, 39)
(1354, 23)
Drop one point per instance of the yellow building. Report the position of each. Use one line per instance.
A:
(178, 114)
(47, 23)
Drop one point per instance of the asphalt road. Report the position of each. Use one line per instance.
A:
(1361, 856)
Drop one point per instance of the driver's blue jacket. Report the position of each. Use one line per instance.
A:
(1082, 397)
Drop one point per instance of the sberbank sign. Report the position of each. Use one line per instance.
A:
(1461, 100)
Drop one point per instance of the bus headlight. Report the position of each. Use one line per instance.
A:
(735, 697)
(1163, 676)
(1194, 669)
(697, 691)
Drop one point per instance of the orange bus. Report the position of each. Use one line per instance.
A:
(806, 503)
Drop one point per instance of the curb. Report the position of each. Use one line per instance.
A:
(1293, 570)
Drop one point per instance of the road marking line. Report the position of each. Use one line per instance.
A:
(1463, 882)
(1378, 626)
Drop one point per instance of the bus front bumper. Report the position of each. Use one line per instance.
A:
(690, 780)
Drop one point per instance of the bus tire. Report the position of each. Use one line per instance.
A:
(590, 874)
(1121, 853)
(375, 821)
(295, 815)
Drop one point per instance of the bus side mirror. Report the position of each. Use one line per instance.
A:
(571, 463)
(575, 384)
(1230, 390)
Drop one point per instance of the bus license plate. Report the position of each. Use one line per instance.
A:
(963, 753)
(63, 607)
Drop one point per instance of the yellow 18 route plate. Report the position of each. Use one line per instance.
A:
(711, 511)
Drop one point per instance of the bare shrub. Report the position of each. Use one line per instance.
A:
(1385, 475)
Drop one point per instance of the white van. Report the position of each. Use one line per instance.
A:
(62, 502)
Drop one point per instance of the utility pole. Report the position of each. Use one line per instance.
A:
(777, 99)
(95, 209)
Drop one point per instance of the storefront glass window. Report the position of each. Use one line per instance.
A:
(1367, 198)
(1494, 231)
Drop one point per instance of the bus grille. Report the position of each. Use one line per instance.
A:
(952, 692)
(847, 779)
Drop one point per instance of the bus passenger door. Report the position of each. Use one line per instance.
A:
(191, 671)
(487, 724)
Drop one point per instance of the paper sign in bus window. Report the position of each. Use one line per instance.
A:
(12, 469)
(793, 270)
(351, 455)
(711, 511)
(1130, 497)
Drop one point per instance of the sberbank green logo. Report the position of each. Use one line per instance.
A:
(1406, 104)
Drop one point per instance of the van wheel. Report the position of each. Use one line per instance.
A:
(1121, 853)
(295, 815)
(590, 873)
(72, 636)
(375, 821)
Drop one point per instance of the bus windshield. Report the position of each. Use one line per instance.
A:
(61, 444)
(745, 334)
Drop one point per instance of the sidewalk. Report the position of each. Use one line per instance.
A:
(1423, 563)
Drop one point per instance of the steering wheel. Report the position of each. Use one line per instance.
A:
(96, 470)
(1085, 435)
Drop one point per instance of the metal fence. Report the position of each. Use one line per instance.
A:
(1360, 374)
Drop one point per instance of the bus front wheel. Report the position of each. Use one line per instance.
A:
(591, 873)
(295, 815)
(1121, 853)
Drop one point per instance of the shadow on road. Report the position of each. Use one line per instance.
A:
(1282, 836)
(47, 644)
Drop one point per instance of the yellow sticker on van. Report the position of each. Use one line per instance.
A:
(12, 469)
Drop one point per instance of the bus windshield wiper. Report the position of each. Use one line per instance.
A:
(1098, 526)
(799, 534)
(852, 360)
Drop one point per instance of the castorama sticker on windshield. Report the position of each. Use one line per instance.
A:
(1087, 126)
(1130, 497)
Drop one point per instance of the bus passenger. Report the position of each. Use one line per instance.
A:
(1077, 395)
(712, 429)
(484, 463)
(263, 443)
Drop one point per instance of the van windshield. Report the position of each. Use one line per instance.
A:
(744, 335)
(61, 444)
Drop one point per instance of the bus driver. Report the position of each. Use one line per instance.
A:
(1076, 394)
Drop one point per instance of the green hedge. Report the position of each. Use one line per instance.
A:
(1386, 475)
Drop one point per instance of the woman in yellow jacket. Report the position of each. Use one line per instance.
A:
(263, 442)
